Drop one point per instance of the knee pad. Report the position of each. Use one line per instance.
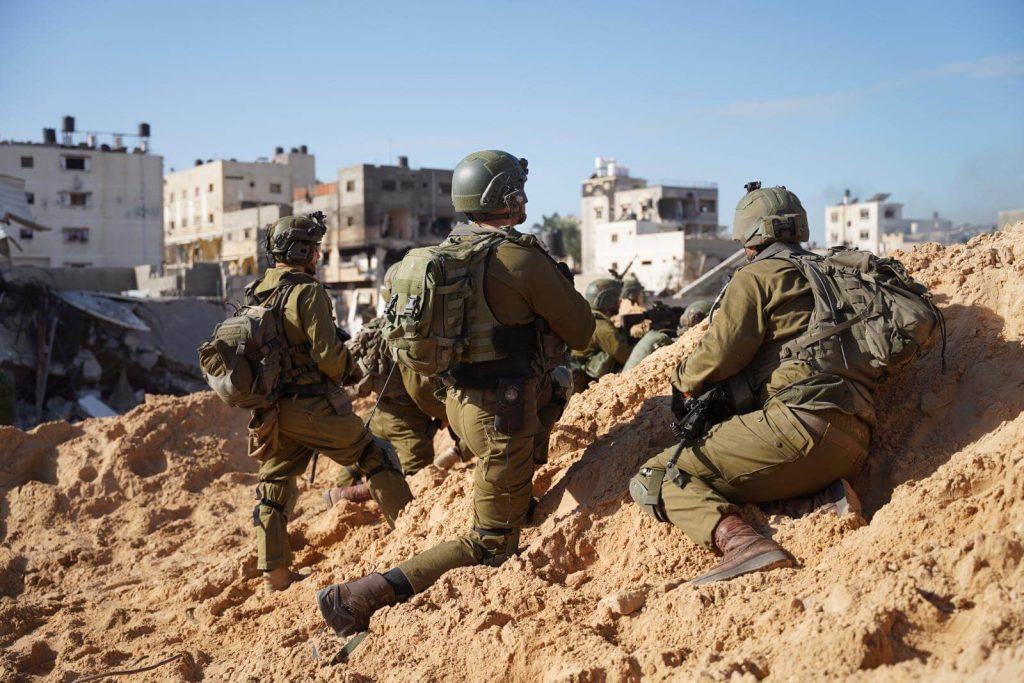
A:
(387, 454)
(270, 501)
(645, 490)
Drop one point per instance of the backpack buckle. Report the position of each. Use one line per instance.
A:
(389, 308)
(412, 305)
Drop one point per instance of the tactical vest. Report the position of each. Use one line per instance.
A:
(438, 317)
(248, 360)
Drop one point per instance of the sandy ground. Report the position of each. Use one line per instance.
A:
(128, 540)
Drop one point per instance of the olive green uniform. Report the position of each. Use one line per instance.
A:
(800, 430)
(521, 284)
(307, 422)
(607, 351)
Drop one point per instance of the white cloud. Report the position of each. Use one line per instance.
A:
(1006, 65)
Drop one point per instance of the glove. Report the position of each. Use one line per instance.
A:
(680, 405)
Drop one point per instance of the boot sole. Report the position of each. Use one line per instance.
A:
(331, 616)
(775, 559)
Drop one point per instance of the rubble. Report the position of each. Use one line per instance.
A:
(60, 347)
(127, 539)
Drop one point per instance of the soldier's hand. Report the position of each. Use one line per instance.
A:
(680, 406)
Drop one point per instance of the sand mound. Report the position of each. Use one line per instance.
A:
(126, 540)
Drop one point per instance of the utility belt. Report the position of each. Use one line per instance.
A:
(334, 394)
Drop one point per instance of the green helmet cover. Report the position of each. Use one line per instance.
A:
(488, 182)
(768, 215)
(293, 238)
(631, 286)
(604, 293)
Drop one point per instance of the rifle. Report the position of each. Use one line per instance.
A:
(663, 318)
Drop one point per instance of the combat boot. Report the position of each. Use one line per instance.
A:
(743, 551)
(347, 607)
(279, 578)
(357, 493)
(838, 498)
(448, 458)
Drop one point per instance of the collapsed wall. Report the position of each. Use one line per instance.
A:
(129, 537)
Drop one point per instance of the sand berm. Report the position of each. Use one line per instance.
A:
(127, 540)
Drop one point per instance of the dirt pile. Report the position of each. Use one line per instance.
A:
(126, 540)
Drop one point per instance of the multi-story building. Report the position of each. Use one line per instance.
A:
(612, 196)
(878, 225)
(101, 200)
(197, 201)
(374, 215)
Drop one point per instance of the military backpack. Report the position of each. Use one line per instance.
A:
(870, 319)
(247, 358)
(437, 316)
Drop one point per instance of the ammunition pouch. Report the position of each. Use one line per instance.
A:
(645, 490)
(338, 399)
(563, 385)
(263, 433)
(509, 410)
(598, 365)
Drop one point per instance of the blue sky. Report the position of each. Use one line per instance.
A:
(921, 99)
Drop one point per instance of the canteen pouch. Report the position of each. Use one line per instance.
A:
(508, 413)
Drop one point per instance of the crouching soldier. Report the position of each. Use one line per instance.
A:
(796, 429)
(609, 347)
(312, 413)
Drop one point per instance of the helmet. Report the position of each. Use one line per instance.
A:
(631, 286)
(389, 279)
(695, 312)
(488, 182)
(292, 239)
(603, 293)
(769, 215)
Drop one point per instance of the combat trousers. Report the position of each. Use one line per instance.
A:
(502, 485)
(305, 426)
(400, 422)
(769, 454)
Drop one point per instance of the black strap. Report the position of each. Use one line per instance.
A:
(304, 390)
(272, 504)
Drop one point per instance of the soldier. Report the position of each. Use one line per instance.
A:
(609, 347)
(795, 429)
(492, 405)
(312, 414)
(407, 415)
(633, 294)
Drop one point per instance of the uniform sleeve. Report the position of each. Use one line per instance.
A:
(552, 296)
(327, 350)
(612, 341)
(732, 340)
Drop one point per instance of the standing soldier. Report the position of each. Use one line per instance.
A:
(312, 414)
(493, 404)
(407, 414)
(609, 347)
(796, 429)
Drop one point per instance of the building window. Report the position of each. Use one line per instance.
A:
(864, 235)
(30, 197)
(252, 183)
(615, 237)
(445, 188)
(388, 185)
(234, 177)
(197, 192)
(26, 233)
(209, 219)
(210, 189)
(170, 225)
(849, 223)
(648, 262)
(834, 217)
(80, 199)
(350, 221)
(408, 185)
(834, 237)
(350, 186)
(615, 265)
(865, 214)
(28, 162)
(889, 213)
(247, 234)
(184, 222)
(275, 188)
(75, 163)
(598, 213)
(76, 264)
(76, 235)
